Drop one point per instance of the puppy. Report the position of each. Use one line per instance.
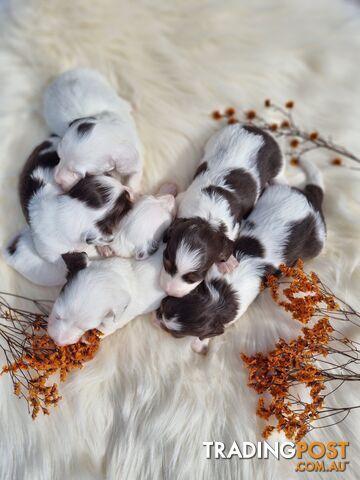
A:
(104, 294)
(59, 222)
(237, 164)
(23, 257)
(97, 129)
(140, 232)
(286, 224)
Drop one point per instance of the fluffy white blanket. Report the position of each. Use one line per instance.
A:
(144, 406)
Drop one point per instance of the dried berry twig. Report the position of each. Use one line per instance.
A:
(31, 356)
(299, 141)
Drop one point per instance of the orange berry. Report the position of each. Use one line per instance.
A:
(230, 112)
(216, 115)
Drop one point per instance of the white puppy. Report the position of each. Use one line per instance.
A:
(21, 255)
(104, 294)
(97, 128)
(140, 232)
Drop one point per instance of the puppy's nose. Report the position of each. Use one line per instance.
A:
(174, 293)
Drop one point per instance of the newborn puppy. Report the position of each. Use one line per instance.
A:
(286, 224)
(61, 223)
(97, 128)
(140, 232)
(21, 255)
(104, 294)
(237, 164)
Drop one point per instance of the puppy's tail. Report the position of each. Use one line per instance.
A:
(314, 183)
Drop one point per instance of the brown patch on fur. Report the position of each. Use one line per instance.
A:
(111, 220)
(250, 246)
(269, 158)
(28, 186)
(91, 191)
(303, 241)
(200, 313)
(199, 235)
(201, 169)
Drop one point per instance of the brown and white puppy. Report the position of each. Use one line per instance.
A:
(286, 224)
(95, 212)
(239, 161)
(96, 126)
(63, 222)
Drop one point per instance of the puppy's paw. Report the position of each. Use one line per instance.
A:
(228, 266)
(105, 251)
(200, 346)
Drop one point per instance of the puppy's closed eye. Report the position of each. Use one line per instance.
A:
(192, 277)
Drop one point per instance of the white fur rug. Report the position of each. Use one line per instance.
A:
(143, 407)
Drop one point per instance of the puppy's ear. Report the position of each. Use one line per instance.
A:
(75, 262)
(169, 231)
(226, 248)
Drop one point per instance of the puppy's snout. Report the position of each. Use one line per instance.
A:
(66, 178)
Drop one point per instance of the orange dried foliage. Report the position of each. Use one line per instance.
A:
(292, 363)
(43, 359)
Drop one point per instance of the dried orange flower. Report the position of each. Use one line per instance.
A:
(230, 112)
(274, 127)
(250, 114)
(294, 161)
(216, 115)
(313, 135)
(41, 359)
(290, 104)
(294, 143)
(296, 362)
(267, 103)
(336, 161)
(285, 124)
(232, 121)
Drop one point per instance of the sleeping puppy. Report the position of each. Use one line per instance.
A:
(21, 255)
(140, 232)
(237, 164)
(104, 294)
(286, 224)
(86, 215)
(97, 129)
(138, 235)
(62, 223)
